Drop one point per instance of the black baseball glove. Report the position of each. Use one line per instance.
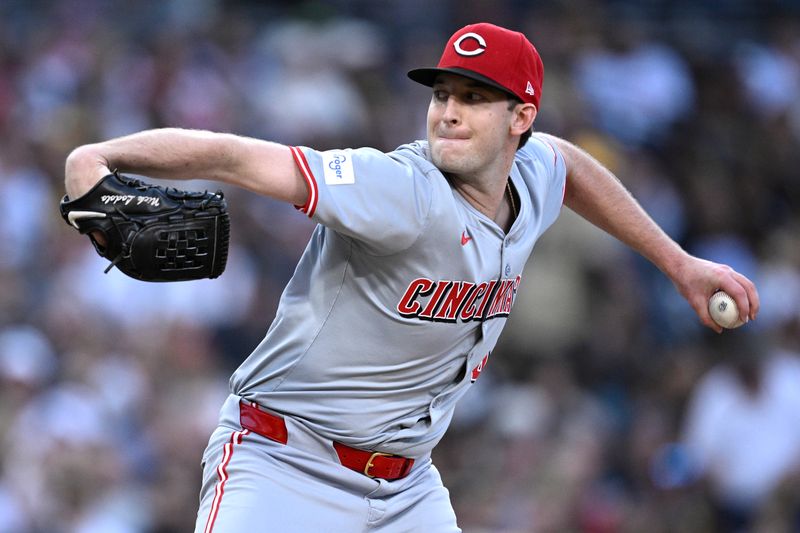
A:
(153, 233)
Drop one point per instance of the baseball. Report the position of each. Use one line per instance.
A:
(724, 310)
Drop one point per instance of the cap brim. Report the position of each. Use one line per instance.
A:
(427, 76)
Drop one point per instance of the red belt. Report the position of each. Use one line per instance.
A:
(371, 464)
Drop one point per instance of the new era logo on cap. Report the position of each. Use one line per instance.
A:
(493, 55)
(529, 89)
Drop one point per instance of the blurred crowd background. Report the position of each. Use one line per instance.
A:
(605, 408)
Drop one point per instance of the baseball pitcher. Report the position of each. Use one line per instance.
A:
(401, 293)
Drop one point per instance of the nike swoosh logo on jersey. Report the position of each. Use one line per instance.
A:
(74, 216)
(465, 238)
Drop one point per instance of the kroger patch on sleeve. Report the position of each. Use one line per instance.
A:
(338, 168)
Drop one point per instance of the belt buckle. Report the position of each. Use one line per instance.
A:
(369, 462)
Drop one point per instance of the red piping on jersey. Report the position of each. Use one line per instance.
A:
(222, 474)
(313, 193)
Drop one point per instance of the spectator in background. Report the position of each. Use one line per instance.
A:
(742, 429)
(636, 89)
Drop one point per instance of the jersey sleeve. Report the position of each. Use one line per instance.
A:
(367, 195)
(551, 174)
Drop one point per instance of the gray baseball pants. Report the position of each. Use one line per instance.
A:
(256, 485)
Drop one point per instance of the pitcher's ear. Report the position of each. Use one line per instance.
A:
(524, 115)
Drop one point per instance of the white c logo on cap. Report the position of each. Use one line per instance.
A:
(481, 45)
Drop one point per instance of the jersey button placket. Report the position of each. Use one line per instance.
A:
(505, 268)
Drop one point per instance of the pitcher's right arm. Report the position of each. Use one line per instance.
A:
(260, 166)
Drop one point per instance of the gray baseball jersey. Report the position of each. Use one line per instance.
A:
(399, 297)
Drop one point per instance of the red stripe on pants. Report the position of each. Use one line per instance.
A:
(222, 475)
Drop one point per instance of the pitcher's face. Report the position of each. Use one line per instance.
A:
(468, 124)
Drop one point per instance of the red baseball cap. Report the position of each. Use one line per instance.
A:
(496, 56)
